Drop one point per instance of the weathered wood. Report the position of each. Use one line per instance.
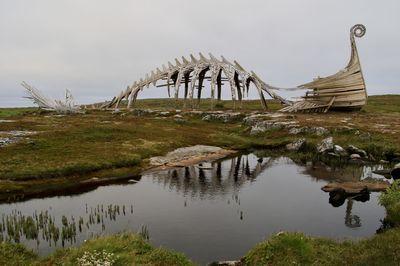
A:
(345, 89)
(347, 86)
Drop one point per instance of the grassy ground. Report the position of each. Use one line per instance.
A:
(298, 249)
(68, 148)
(119, 249)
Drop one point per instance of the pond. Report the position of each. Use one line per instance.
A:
(210, 212)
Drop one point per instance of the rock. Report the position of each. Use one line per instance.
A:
(355, 156)
(196, 112)
(222, 117)
(296, 145)
(190, 155)
(332, 154)
(326, 145)
(263, 126)
(164, 113)
(383, 162)
(253, 119)
(319, 131)
(140, 112)
(116, 111)
(395, 173)
(5, 141)
(295, 130)
(353, 149)
(178, 116)
(357, 186)
(339, 150)
(344, 129)
(226, 263)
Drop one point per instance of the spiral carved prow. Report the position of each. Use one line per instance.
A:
(358, 30)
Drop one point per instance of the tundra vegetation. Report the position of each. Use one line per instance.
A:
(65, 150)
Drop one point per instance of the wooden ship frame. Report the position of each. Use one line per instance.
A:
(344, 90)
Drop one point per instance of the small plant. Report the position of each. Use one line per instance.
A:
(391, 201)
(96, 258)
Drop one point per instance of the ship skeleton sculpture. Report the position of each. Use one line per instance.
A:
(343, 90)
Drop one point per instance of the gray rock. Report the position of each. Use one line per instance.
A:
(319, 131)
(222, 117)
(5, 141)
(264, 126)
(344, 129)
(339, 150)
(326, 145)
(383, 162)
(253, 119)
(140, 112)
(353, 149)
(184, 153)
(164, 113)
(296, 145)
(355, 156)
(178, 116)
(332, 154)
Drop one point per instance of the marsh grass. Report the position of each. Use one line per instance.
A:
(391, 201)
(298, 249)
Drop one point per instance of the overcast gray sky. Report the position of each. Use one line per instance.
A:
(97, 47)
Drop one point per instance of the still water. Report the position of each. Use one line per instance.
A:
(211, 212)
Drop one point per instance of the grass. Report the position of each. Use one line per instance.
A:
(391, 201)
(120, 249)
(76, 145)
(16, 254)
(298, 249)
(10, 112)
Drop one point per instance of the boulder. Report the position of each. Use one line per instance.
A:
(353, 149)
(339, 150)
(268, 125)
(253, 119)
(357, 186)
(222, 117)
(326, 145)
(296, 145)
(319, 131)
(395, 173)
(355, 156)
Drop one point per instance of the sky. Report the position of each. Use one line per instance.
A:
(95, 48)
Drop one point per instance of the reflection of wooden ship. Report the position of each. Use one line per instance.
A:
(226, 175)
(343, 90)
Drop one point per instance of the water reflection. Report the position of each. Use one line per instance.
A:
(215, 178)
(210, 211)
